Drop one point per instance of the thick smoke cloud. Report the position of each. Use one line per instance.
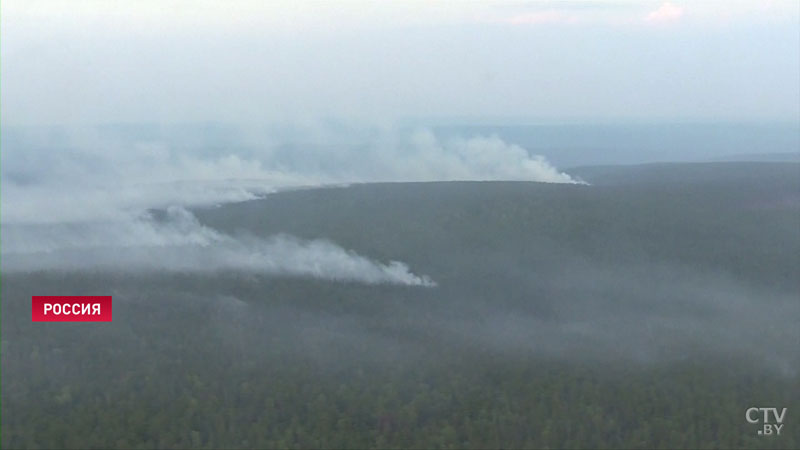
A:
(80, 174)
(79, 199)
(389, 155)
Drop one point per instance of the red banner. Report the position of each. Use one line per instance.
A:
(64, 308)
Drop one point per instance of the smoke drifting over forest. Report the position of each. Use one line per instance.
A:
(242, 272)
(395, 224)
(178, 243)
(86, 205)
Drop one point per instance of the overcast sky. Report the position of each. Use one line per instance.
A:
(78, 61)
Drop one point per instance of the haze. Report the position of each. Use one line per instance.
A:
(254, 62)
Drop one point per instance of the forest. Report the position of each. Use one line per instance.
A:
(648, 308)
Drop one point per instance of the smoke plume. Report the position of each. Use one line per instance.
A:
(79, 199)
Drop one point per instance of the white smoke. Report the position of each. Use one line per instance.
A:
(397, 156)
(88, 175)
(78, 198)
(179, 243)
(477, 158)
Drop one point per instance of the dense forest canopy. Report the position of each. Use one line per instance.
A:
(650, 308)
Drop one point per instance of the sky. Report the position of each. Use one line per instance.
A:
(90, 62)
